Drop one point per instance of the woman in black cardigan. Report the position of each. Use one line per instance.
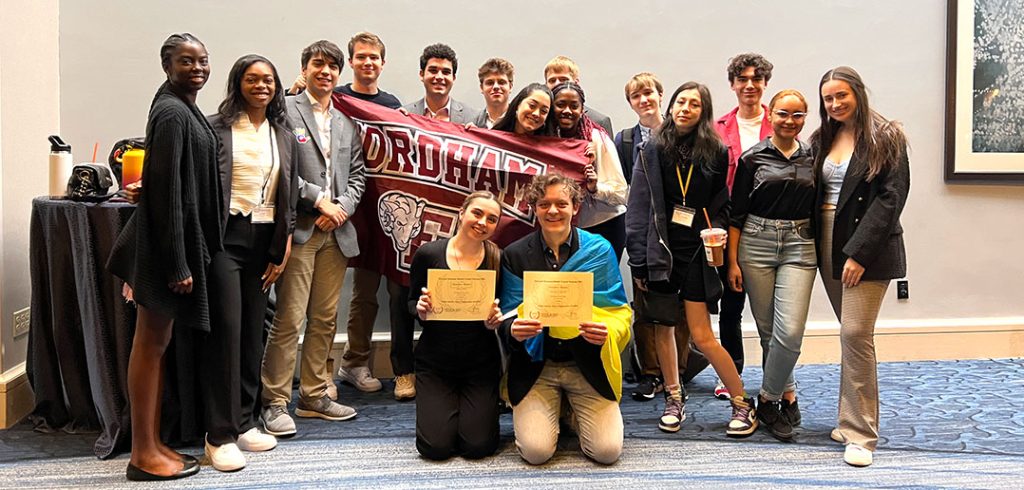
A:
(165, 248)
(864, 177)
(257, 160)
(458, 363)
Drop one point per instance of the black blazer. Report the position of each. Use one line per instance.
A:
(527, 254)
(286, 197)
(867, 223)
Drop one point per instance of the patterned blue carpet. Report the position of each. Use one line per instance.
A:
(949, 424)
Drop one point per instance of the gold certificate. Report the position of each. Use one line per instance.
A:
(460, 295)
(560, 300)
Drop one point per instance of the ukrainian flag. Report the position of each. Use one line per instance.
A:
(596, 256)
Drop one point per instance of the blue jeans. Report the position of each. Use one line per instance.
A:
(779, 263)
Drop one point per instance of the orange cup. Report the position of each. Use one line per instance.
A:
(131, 166)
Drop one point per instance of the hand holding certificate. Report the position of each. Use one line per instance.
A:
(560, 300)
(459, 295)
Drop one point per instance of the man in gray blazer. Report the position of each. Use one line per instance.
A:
(562, 69)
(330, 185)
(438, 66)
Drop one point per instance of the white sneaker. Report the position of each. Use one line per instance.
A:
(361, 378)
(837, 436)
(857, 455)
(255, 441)
(226, 457)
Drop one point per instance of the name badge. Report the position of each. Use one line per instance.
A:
(263, 214)
(683, 216)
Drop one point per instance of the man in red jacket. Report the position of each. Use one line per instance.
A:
(740, 129)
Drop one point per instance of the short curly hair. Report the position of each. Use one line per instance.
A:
(440, 51)
(740, 62)
(540, 183)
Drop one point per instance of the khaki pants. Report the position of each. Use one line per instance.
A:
(361, 317)
(535, 418)
(857, 309)
(308, 290)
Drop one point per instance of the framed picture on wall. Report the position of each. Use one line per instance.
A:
(985, 91)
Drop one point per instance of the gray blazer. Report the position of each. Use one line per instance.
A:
(349, 179)
(460, 113)
(599, 119)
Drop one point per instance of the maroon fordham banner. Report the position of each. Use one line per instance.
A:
(418, 172)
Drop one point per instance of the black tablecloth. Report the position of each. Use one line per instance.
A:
(81, 332)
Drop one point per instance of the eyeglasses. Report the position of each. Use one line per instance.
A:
(797, 116)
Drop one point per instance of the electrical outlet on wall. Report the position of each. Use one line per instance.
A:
(22, 319)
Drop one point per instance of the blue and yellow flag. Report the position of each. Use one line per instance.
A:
(596, 256)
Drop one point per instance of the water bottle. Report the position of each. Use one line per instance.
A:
(60, 167)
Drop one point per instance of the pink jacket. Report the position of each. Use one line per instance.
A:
(729, 131)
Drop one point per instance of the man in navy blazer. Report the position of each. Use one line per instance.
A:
(330, 185)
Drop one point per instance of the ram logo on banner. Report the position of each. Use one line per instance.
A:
(418, 172)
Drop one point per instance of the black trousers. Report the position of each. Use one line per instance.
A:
(403, 327)
(233, 350)
(457, 414)
(613, 230)
(730, 315)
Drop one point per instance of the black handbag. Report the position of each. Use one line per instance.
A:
(115, 160)
(657, 308)
(89, 182)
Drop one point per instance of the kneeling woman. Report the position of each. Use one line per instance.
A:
(771, 253)
(679, 181)
(257, 170)
(458, 363)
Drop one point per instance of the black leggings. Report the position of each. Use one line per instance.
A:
(457, 414)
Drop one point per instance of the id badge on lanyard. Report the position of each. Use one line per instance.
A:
(264, 212)
(683, 215)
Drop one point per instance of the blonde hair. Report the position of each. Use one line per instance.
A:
(367, 38)
(642, 80)
(562, 63)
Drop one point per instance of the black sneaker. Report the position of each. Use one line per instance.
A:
(792, 411)
(648, 386)
(772, 416)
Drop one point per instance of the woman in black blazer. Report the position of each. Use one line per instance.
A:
(257, 162)
(863, 173)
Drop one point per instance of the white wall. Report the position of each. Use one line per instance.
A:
(29, 112)
(110, 69)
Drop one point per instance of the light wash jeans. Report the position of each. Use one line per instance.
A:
(778, 262)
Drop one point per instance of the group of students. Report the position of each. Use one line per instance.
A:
(262, 191)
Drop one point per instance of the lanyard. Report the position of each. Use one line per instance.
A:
(686, 187)
(273, 166)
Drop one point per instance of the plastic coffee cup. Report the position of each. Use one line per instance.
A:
(714, 245)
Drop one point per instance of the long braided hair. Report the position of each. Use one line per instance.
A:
(585, 126)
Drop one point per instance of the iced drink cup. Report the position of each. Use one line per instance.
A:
(131, 166)
(714, 245)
